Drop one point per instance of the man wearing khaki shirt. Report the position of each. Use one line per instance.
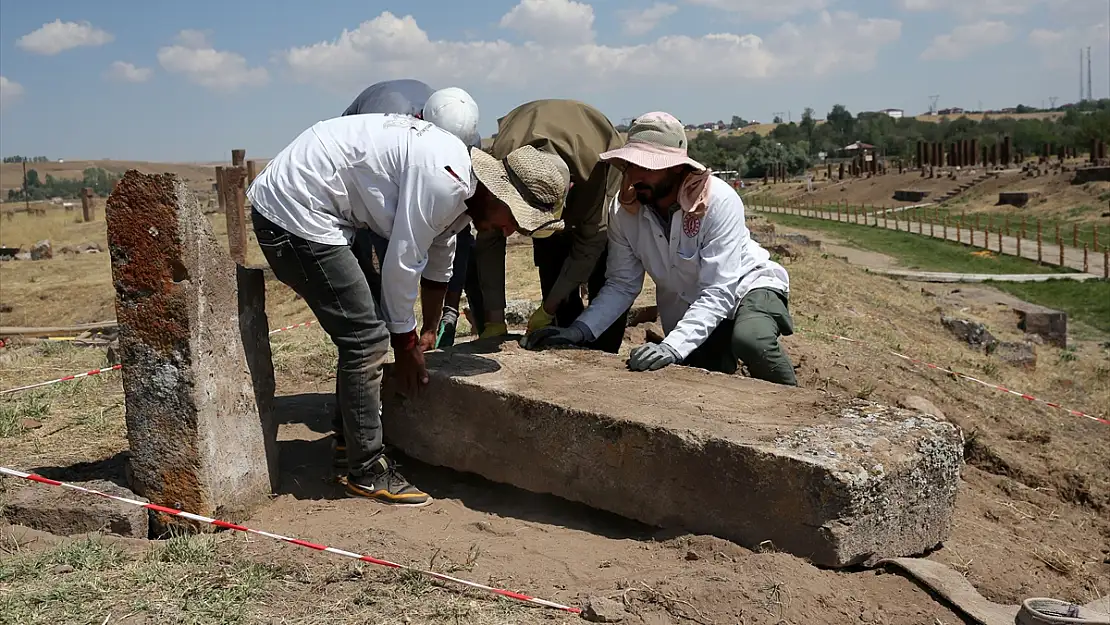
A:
(574, 255)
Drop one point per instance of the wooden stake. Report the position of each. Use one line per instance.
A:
(1086, 267)
(1039, 258)
(88, 211)
(235, 200)
(1075, 235)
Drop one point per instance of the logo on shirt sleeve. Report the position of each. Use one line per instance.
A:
(691, 225)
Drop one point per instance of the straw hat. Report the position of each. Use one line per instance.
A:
(532, 183)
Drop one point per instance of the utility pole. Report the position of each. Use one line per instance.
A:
(1052, 102)
(778, 114)
(1081, 74)
(933, 104)
(1090, 95)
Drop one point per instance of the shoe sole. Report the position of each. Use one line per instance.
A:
(352, 492)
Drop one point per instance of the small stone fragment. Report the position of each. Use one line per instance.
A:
(603, 610)
(518, 311)
(30, 424)
(922, 405)
(974, 334)
(62, 569)
(692, 555)
(42, 250)
(1016, 354)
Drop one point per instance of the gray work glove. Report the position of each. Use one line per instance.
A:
(552, 336)
(651, 356)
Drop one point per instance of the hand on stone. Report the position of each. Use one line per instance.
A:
(409, 369)
(651, 356)
(552, 337)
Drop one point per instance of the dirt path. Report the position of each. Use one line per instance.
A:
(1075, 258)
(561, 551)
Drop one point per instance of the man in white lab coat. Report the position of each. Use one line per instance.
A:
(416, 185)
(721, 298)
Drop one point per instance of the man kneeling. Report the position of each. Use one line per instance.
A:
(720, 296)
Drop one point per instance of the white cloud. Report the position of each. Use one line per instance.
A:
(972, 9)
(1058, 48)
(389, 46)
(641, 22)
(195, 58)
(764, 9)
(551, 21)
(127, 72)
(968, 38)
(10, 91)
(59, 36)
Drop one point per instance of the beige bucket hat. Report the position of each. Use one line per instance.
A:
(532, 183)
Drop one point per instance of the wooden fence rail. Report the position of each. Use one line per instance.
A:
(1093, 259)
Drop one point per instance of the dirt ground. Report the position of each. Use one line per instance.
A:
(1031, 518)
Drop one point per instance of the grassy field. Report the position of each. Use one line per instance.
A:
(1088, 301)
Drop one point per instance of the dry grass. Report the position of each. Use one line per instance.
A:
(223, 579)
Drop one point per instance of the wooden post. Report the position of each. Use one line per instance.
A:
(895, 213)
(999, 240)
(884, 218)
(1086, 267)
(1018, 251)
(1023, 230)
(933, 223)
(1096, 238)
(1106, 263)
(976, 229)
(88, 211)
(252, 171)
(221, 189)
(1039, 257)
(945, 231)
(235, 200)
(987, 230)
(1075, 235)
(959, 230)
(1007, 225)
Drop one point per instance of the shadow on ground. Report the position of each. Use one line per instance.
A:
(307, 473)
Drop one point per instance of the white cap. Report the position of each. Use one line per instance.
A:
(453, 110)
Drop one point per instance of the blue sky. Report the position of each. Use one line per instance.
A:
(190, 81)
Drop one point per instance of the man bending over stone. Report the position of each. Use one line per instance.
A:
(566, 259)
(416, 185)
(721, 298)
(451, 109)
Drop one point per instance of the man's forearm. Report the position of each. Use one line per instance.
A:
(431, 302)
(585, 252)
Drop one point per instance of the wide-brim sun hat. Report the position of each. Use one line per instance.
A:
(532, 183)
(453, 110)
(656, 140)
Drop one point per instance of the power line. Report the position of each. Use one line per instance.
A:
(933, 104)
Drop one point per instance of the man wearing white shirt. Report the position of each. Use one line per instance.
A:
(721, 298)
(416, 185)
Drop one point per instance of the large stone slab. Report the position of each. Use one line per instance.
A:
(201, 439)
(65, 512)
(836, 481)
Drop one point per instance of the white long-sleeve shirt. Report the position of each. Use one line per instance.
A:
(403, 178)
(701, 271)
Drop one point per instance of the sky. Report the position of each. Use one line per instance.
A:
(190, 81)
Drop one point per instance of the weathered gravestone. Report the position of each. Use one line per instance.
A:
(197, 373)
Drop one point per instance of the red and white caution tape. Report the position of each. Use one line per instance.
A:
(117, 367)
(65, 379)
(287, 328)
(997, 387)
(303, 543)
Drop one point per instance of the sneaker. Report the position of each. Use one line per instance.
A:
(384, 484)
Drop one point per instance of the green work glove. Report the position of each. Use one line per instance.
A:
(540, 319)
(494, 329)
(652, 356)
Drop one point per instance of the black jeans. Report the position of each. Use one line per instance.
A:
(334, 286)
(549, 254)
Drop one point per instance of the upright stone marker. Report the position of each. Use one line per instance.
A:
(88, 211)
(201, 430)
